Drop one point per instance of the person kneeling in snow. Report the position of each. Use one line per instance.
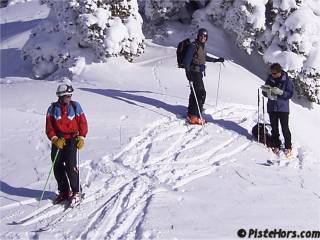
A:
(194, 63)
(66, 127)
(278, 89)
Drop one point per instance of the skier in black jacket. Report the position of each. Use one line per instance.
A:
(194, 63)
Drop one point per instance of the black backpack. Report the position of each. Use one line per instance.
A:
(181, 51)
(264, 133)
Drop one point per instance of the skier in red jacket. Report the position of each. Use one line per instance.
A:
(66, 127)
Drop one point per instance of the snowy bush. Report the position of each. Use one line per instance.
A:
(284, 31)
(243, 17)
(158, 11)
(47, 49)
(106, 27)
(295, 44)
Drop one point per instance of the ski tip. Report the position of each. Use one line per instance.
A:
(40, 230)
(13, 223)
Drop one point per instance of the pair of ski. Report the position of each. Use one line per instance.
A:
(280, 157)
(50, 207)
(68, 206)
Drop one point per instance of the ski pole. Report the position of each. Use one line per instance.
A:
(54, 161)
(217, 96)
(264, 123)
(258, 115)
(195, 96)
(78, 163)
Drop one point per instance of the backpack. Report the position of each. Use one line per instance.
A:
(181, 51)
(54, 104)
(262, 129)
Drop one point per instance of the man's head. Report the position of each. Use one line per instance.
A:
(276, 70)
(64, 92)
(202, 35)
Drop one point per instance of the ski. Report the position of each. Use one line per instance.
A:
(35, 215)
(49, 209)
(280, 158)
(68, 207)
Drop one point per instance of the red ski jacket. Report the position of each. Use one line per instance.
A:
(66, 121)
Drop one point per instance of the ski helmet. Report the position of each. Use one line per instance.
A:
(203, 32)
(64, 89)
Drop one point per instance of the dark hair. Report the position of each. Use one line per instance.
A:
(276, 67)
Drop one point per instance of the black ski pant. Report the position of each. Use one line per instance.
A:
(65, 168)
(197, 81)
(283, 117)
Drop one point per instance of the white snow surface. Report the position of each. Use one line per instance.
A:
(145, 172)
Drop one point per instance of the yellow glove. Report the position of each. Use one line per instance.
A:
(80, 142)
(58, 142)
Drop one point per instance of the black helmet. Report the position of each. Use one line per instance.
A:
(202, 32)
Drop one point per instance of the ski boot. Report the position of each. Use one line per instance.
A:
(288, 153)
(75, 199)
(62, 196)
(276, 151)
(193, 119)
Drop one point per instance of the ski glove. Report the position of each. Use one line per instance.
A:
(268, 90)
(58, 142)
(277, 91)
(80, 142)
(272, 96)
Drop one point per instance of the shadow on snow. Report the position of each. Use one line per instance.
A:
(24, 192)
(134, 97)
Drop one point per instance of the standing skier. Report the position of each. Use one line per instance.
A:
(194, 64)
(66, 127)
(279, 89)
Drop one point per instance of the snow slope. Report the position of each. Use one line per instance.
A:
(145, 172)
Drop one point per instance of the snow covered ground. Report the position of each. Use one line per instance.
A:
(145, 172)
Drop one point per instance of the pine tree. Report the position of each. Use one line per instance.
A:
(284, 31)
(107, 28)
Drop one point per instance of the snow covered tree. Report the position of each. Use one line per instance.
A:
(158, 10)
(107, 27)
(245, 18)
(284, 31)
(48, 49)
(293, 40)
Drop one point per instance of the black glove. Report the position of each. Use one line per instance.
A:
(220, 59)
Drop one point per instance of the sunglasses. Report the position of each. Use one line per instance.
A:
(67, 96)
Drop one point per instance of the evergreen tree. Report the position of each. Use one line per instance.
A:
(284, 31)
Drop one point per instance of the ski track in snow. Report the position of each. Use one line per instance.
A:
(165, 156)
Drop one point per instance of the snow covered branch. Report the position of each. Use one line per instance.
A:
(284, 31)
(106, 27)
